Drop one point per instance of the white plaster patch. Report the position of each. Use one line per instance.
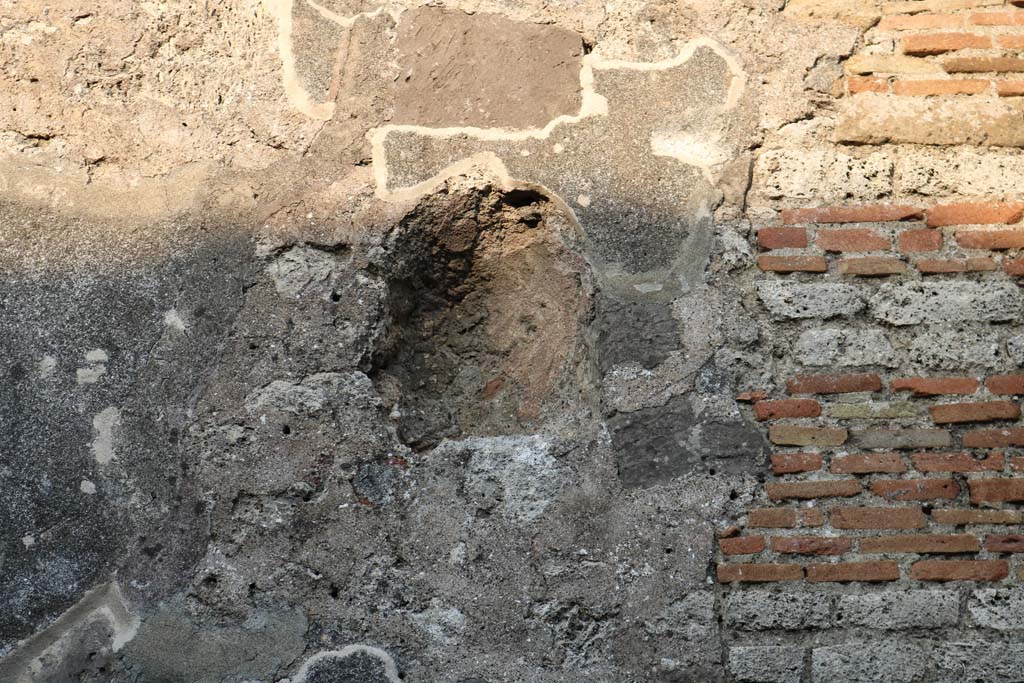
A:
(28, 541)
(104, 424)
(46, 365)
(583, 200)
(87, 487)
(174, 321)
(390, 670)
(96, 368)
(691, 150)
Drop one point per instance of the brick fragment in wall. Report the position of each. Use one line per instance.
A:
(1004, 543)
(797, 435)
(834, 384)
(975, 213)
(959, 462)
(811, 545)
(980, 411)
(994, 438)
(792, 264)
(923, 44)
(872, 266)
(957, 517)
(742, 545)
(766, 664)
(873, 571)
(990, 239)
(996, 490)
(897, 610)
(879, 661)
(868, 463)
(829, 488)
(1006, 385)
(961, 65)
(877, 518)
(1001, 609)
(851, 240)
(844, 347)
(977, 661)
(917, 241)
(915, 489)
(774, 410)
(759, 610)
(872, 118)
(822, 174)
(851, 213)
(790, 463)
(921, 544)
(914, 303)
(940, 348)
(968, 265)
(936, 386)
(782, 238)
(785, 518)
(796, 301)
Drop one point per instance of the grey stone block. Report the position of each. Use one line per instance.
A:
(762, 611)
(881, 661)
(947, 302)
(844, 347)
(794, 300)
(1000, 609)
(896, 610)
(766, 664)
(979, 662)
(953, 350)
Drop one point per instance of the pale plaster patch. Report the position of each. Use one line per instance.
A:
(87, 487)
(390, 670)
(46, 365)
(104, 424)
(174, 320)
(96, 368)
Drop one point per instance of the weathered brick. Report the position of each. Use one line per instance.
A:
(983, 65)
(782, 238)
(996, 490)
(859, 84)
(915, 489)
(872, 266)
(997, 19)
(878, 213)
(990, 239)
(921, 543)
(834, 384)
(873, 411)
(785, 518)
(883, 570)
(1010, 88)
(1014, 266)
(758, 610)
(774, 410)
(759, 573)
(796, 435)
(916, 241)
(958, 462)
(936, 386)
(920, 22)
(792, 264)
(742, 545)
(980, 411)
(975, 213)
(902, 438)
(936, 43)
(766, 664)
(958, 517)
(1004, 543)
(1015, 42)
(899, 610)
(877, 518)
(994, 438)
(999, 609)
(812, 545)
(781, 490)
(752, 396)
(956, 86)
(851, 239)
(791, 463)
(1006, 385)
(960, 570)
(968, 265)
(867, 463)
(890, 64)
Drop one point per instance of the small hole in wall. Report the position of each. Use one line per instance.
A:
(334, 592)
(335, 297)
(733, 495)
(668, 551)
(286, 430)
(712, 471)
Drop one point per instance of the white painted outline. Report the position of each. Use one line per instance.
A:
(592, 104)
(390, 670)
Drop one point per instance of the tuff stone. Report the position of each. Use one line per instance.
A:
(881, 661)
(904, 304)
(766, 664)
(796, 301)
(777, 611)
(1001, 609)
(899, 610)
(844, 347)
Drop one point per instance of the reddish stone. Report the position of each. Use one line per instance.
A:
(781, 490)
(981, 411)
(743, 545)
(867, 463)
(811, 545)
(782, 238)
(975, 213)
(921, 543)
(791, 463)
(958, 462)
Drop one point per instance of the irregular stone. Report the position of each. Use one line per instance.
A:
(978, 662)
(883, 661)
(1001, 609)
(795, 301)
(890, 64)
(844, 347)
(947, 302)
(1015, 349)
(946, 349)
(822, 174)
(967, 171)
(788, 611)
(766, 664)
(899, 610)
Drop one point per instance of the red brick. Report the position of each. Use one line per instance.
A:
(867, 463)
(858, 84)
(996, 490)
(792, 264)
(877, 518)
(1014, 266)
(759, 573)
(872, 266)
(958, 462)
(1010, 88)
(781, 490)
(994, 438)
(782, 238)
(885, 570)
(915, 489)
(990, 239)
(785, 518)
(963, 65)
(834, 384)
(791, 463)
(937, 43)
(916, 241)
(811, 545)
(936, 386)
(981, 411)
(925, 88)
(1009, 543)
(851, 239)
(958, 517)
(921, 21)
(752, 396)
(969, 265)
(1017, 464)
(921, 543)
(998, 19)
(795, 435)
(743, 545)
(960, 570)
(797, 407)
(878, 213)
(1015, 42)
(976, 213)
(1006, 385)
